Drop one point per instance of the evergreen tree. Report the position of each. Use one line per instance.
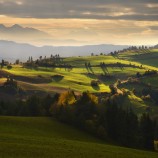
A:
(2, 64)
(147, 132)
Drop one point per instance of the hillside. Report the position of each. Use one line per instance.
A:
(124, 66)
(79, 77)
(145, 57)
(44, 137)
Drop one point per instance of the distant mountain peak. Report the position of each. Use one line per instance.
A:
(2, 26)
(16, 26)
(13, 26)
(18, 33)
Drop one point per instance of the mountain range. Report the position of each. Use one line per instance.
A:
(33, 36)
(22, 34)
(156, 47)
(14, 44)
(19, 30)
(11, 51)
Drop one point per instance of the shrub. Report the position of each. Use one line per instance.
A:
(113, 89)
(94, 83)
(10, 83)
(9, 67)
(149, 73)
(67, 98)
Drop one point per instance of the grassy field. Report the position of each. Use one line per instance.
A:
(22, 137)
(152, 80)
(79, 78)
(146, 58)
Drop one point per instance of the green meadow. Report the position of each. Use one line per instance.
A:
(79, 78)
(148, 58)
(27, 137)
(52, 80)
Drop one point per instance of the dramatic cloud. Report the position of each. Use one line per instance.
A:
(79, 22)
(82, 9)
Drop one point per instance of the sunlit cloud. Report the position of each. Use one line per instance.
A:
(152, 5)
(19, 2)
(97, 21)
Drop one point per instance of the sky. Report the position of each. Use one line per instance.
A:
(81, 22)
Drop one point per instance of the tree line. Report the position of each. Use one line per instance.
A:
(52, 61)
(108, 120)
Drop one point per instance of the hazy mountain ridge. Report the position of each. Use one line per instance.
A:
(156, 47)
(22, 34)
(11, 50)
(33, 36)
(17, 29)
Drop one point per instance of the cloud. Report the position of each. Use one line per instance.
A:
(81, 9)
(154, 28)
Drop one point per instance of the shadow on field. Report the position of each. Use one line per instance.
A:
(89, 70)
(57, 78)
(35, 80)
(105, 70)
(90, 75)
(97, 88)
(107, 79)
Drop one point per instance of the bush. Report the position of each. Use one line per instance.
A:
(9, 67)
(67, 98)
(10, 83)
(95, 83)
(113, 89)
(149, 73)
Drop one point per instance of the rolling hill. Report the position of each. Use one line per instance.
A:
(45, 137)
(51, 80)
(148, 57)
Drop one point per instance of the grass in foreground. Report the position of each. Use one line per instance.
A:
(44, 137)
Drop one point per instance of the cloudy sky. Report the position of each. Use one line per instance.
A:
(79, 22)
